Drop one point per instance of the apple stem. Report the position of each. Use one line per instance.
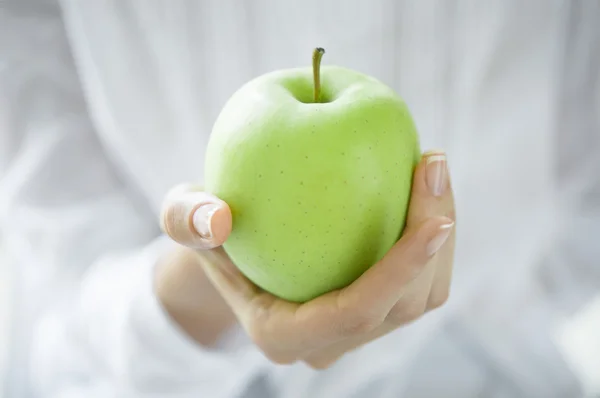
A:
(317, 55)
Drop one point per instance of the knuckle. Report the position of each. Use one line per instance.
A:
(167, 218)
(403, 313)
(322, 363)
(354, 319)
(396, 317)
(174, 221)
(415, 312)
(280, 358)
(264, 338)
(438, 299)
(257, 335)
(359, 325)
(259, 324)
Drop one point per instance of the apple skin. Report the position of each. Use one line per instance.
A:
(319, 192)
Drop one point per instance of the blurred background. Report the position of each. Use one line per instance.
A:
(5, 306)
(524, 317)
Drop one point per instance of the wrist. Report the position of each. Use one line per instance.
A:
(189, 297)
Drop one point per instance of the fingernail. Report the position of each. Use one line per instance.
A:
(439, 239)
(436, 173)
(202, 219)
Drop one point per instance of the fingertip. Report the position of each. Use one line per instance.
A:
(196, 219)
(211, 222)
(433, 152)
(438, 232)
(219, 224)
(431, 189)
(435, 223)
(419, 186)
(444, 221)
(421, 235)
(436, 173)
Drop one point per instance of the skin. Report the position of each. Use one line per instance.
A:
(205, 293)
(306, 181)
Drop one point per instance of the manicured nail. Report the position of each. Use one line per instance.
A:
(436, 172)
(440, 238)
(202, 219)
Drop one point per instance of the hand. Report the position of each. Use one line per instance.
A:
(413, 277)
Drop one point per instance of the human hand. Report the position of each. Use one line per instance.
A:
(412, 279)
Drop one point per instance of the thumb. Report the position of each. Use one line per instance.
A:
(195, 218)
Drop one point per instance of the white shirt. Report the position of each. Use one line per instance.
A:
(104, 105)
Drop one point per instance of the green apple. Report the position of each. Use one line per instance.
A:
(316, 165)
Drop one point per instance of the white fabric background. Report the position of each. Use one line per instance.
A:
(5, 306)
(512, 284)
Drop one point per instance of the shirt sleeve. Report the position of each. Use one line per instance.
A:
(86, 242)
